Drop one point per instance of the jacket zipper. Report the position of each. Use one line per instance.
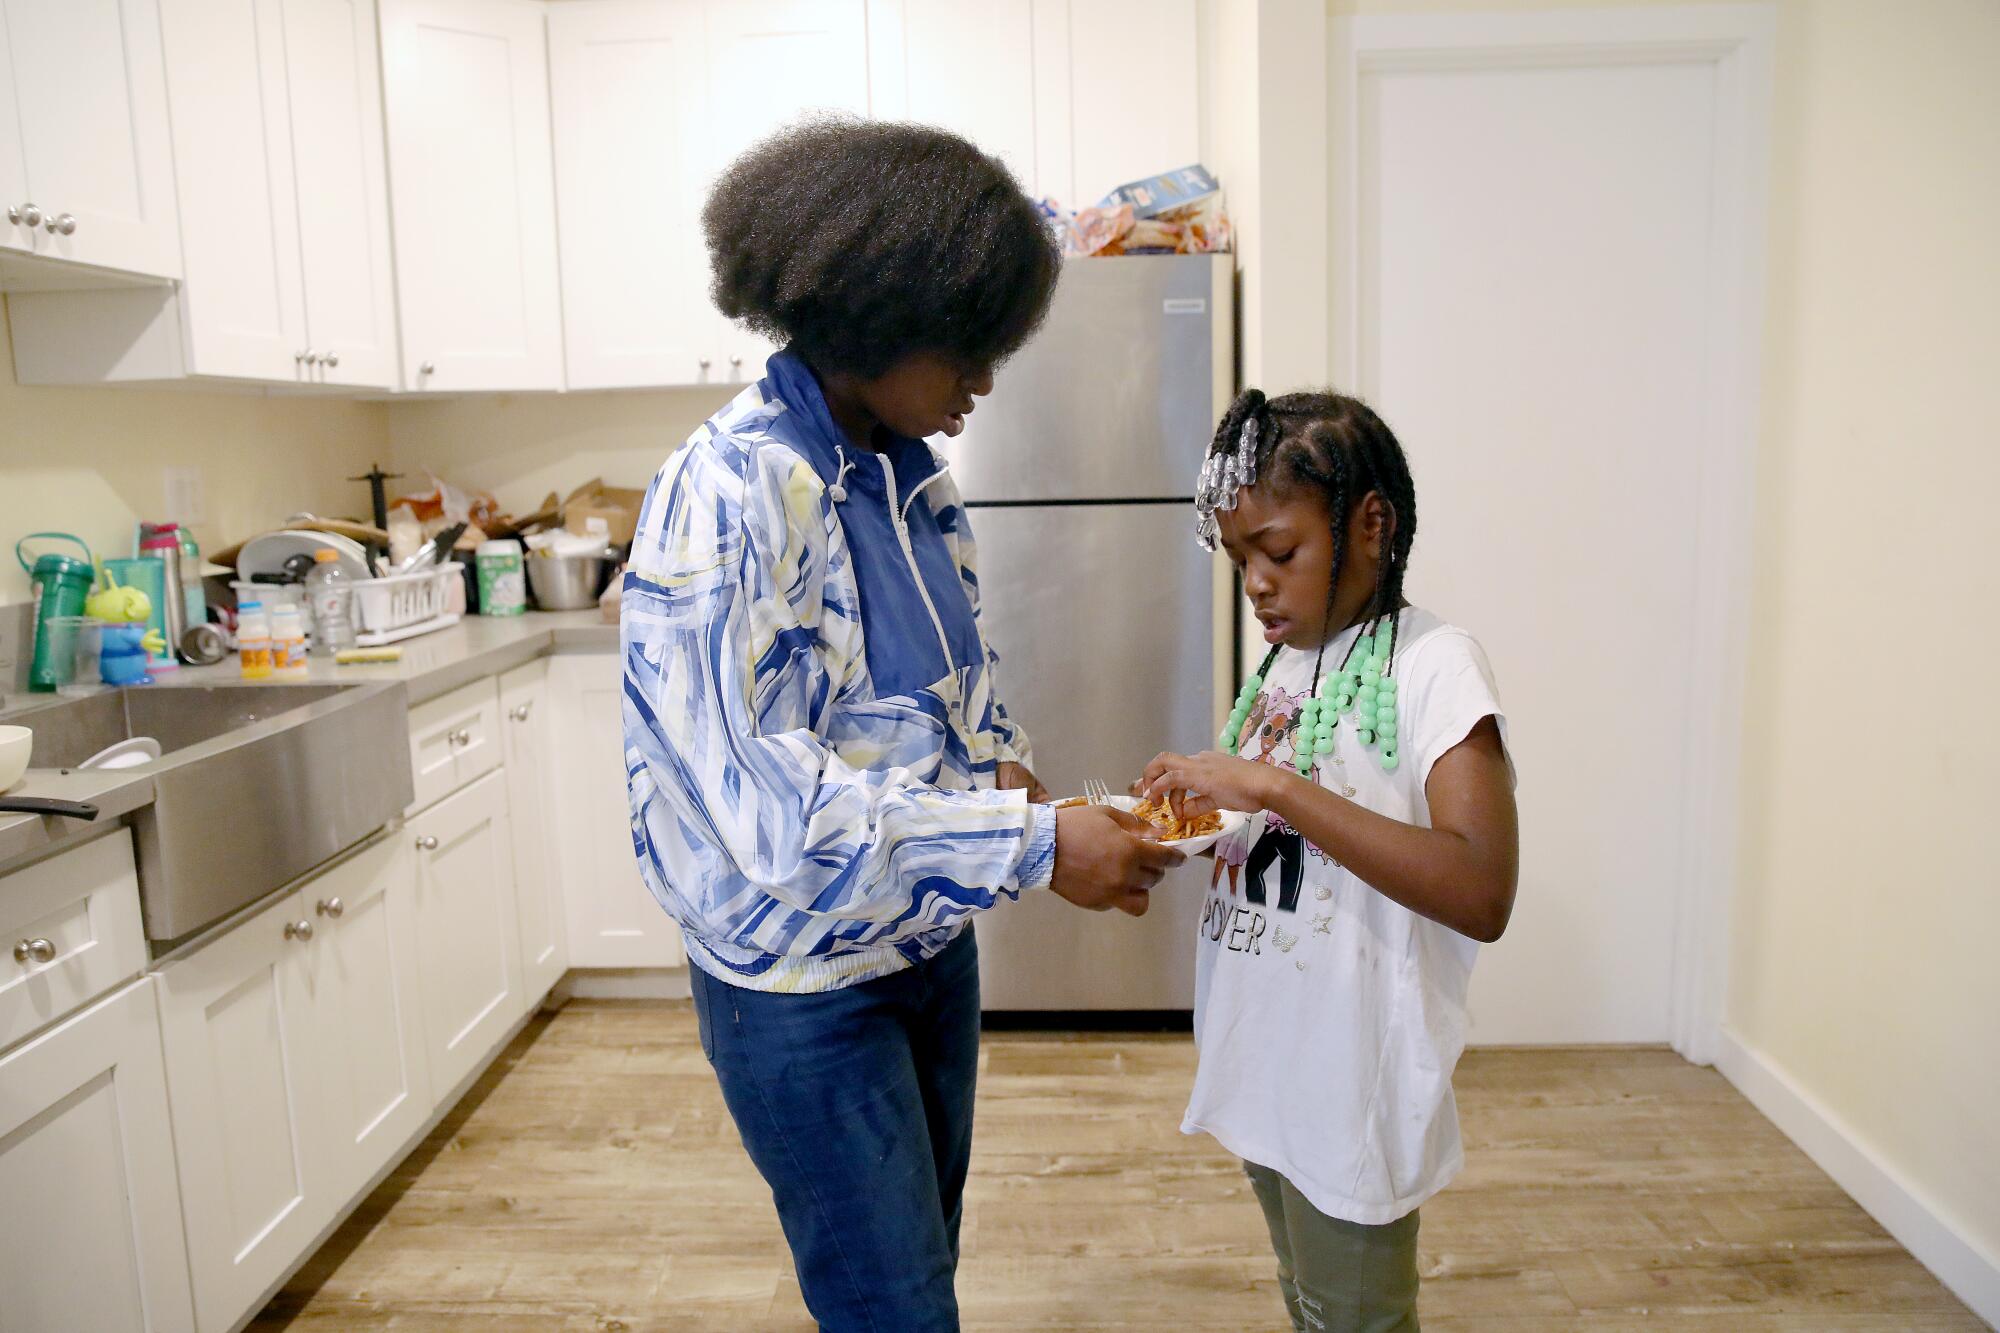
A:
(910, 554)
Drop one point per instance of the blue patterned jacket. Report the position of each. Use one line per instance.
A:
(811, 722)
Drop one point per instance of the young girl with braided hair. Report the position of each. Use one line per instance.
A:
(1330, 996)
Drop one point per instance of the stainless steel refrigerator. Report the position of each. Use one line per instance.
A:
(1113, 627)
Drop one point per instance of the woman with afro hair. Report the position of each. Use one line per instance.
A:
(825, 784)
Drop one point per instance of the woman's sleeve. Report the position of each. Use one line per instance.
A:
(726, 692)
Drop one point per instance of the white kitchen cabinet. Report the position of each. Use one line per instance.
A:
(969, 69)
(283, 187)
(86, 95)
(468, 939)
(16, 234)
(626, 83)
(454, 740)
(69, 932)
(472, 179)
(373, 1070)
(1116, 93)
(239, 1028)
(651, 99)
(613, 920)
(333, 77)
(524, 706)
(91, 1237)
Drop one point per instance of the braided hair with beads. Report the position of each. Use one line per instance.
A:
(1338, 445)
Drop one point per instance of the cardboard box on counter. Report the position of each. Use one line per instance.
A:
(617, 506)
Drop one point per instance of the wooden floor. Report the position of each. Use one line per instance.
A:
(593, 1181)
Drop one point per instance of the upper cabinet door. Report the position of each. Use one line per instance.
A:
(244, 307)
(473, 207)
(1097, 60)
(15, 234)
(331, 68)
(627, 83)
(90, 95)
(770, 62)
(965, 68)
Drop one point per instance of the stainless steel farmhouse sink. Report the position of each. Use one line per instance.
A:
(255, 785)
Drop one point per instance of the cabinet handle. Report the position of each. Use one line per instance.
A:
(331, 908)
(427, 368)
(736, 363)
(63, 225)
(704, 363)
(427, 843)
(308, 357)
(460, 737)
(34, 951)
(27, 215)
(520, 712)
(298, 930)
(330, 359)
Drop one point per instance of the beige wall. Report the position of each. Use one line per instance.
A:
(522, 446)
(1869, 899)
(89, 461)
(1870, 896)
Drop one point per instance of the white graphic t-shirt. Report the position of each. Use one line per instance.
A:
(1328, 1017)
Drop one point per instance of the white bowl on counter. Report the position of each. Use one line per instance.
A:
(16, 744)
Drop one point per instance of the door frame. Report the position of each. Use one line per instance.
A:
(1737, 42)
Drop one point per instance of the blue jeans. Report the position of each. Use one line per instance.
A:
(856, 1105)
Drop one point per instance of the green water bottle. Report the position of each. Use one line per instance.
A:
(62, 583)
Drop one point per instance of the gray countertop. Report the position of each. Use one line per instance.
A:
(432, 664)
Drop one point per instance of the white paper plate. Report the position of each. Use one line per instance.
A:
(1233, 822)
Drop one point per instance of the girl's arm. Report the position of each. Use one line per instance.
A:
(1460, 872)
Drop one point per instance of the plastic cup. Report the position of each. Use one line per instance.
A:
(88, 638)
(61, 660)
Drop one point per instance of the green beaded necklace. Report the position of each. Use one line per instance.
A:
(1366, 690)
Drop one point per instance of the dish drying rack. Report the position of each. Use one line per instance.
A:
(402, 606)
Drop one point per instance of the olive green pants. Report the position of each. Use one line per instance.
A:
(1338, 1277)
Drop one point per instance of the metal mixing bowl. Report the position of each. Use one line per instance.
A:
(566, 582)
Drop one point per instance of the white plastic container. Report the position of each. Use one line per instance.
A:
(288, 643)
(503, 583)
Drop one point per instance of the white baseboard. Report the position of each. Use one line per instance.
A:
(625, 983)
(1905, 1212)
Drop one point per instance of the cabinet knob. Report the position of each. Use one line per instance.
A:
(330, 359)
(460, 737)
(298, 930)
(27, 215)
(520, 711)
(34, 951)
(704, 363)
(427, 843)
(331, 908)
(428, 368)
(307, 357)
(64, 225)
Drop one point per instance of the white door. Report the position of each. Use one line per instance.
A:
(332, 70)
(244, 304)
(1533, 296)
(90, 94)
(468, 950)
(375, 1086)
(15, 231)
(537, 892)
(91, 1236)
(613, 920)
(1115, 89)
(969, 69)
(238, 1028)
(466, 85)
(628, 91)
(799, 56)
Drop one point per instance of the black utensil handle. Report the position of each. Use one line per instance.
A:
(45, 805)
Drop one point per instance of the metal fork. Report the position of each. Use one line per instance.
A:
(1095, 792)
